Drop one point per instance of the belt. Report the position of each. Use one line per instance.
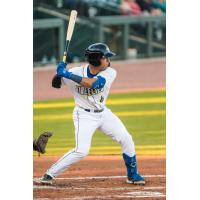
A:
(95, 111)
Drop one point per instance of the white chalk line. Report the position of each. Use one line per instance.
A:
(56, 187)
(156, 195)
(133, 194)
(137, 194)
(103, 177)
(144, 193)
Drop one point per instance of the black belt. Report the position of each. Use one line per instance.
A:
(95, 111)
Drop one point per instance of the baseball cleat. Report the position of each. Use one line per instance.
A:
(132, 173)
(46, 179)
(136, 180)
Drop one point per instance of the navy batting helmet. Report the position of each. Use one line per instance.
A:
(97, 51)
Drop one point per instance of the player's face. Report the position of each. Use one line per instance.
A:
(105, 62)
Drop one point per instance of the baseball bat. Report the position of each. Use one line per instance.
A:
(70, 30)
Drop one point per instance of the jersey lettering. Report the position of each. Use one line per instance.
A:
(88, 91)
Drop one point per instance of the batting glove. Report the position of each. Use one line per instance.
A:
(61, 70)
(61, 66)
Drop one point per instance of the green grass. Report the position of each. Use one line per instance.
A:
(148, 131)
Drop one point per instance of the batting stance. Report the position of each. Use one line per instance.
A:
(90, 85)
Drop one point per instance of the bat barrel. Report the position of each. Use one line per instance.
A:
(70, 30)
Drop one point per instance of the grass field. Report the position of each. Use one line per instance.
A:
(143, 113)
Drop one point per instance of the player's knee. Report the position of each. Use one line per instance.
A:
(127, 138)
(82, 152)
(130, 139)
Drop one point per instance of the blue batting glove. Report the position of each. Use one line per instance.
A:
(62, 72)
(61, 67)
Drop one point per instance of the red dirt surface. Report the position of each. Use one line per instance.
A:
(105, 187)
(146, 74)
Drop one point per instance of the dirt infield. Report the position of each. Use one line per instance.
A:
(144, 74)
(101, 177)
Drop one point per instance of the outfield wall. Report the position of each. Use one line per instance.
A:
(132, 75)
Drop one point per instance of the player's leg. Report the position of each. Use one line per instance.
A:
(84, 129)
(113, 127)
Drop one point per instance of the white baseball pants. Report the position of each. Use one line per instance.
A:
(86, 124)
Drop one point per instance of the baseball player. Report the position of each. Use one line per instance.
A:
(90, 85)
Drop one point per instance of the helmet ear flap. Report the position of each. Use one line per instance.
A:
(94, 62)
(94, 58)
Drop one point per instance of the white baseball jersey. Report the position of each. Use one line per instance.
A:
(88, 98)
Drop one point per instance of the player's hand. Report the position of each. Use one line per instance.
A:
(61, 70)
(61, 67)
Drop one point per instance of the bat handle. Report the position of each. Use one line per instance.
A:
(65, 52)
(65, 57)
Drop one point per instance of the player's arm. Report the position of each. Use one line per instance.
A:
(95, 83)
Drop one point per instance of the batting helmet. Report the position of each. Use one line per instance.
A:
(96, 51)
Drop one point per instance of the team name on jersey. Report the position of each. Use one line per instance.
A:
(88, 91)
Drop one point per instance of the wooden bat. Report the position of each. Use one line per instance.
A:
(70, 30)
(56, 81)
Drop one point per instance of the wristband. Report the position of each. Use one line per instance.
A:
(75, 77)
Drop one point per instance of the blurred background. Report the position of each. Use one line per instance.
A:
(136, 32)
(131, 28)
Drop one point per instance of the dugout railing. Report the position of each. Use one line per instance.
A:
(125, 22)
(120, 32)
